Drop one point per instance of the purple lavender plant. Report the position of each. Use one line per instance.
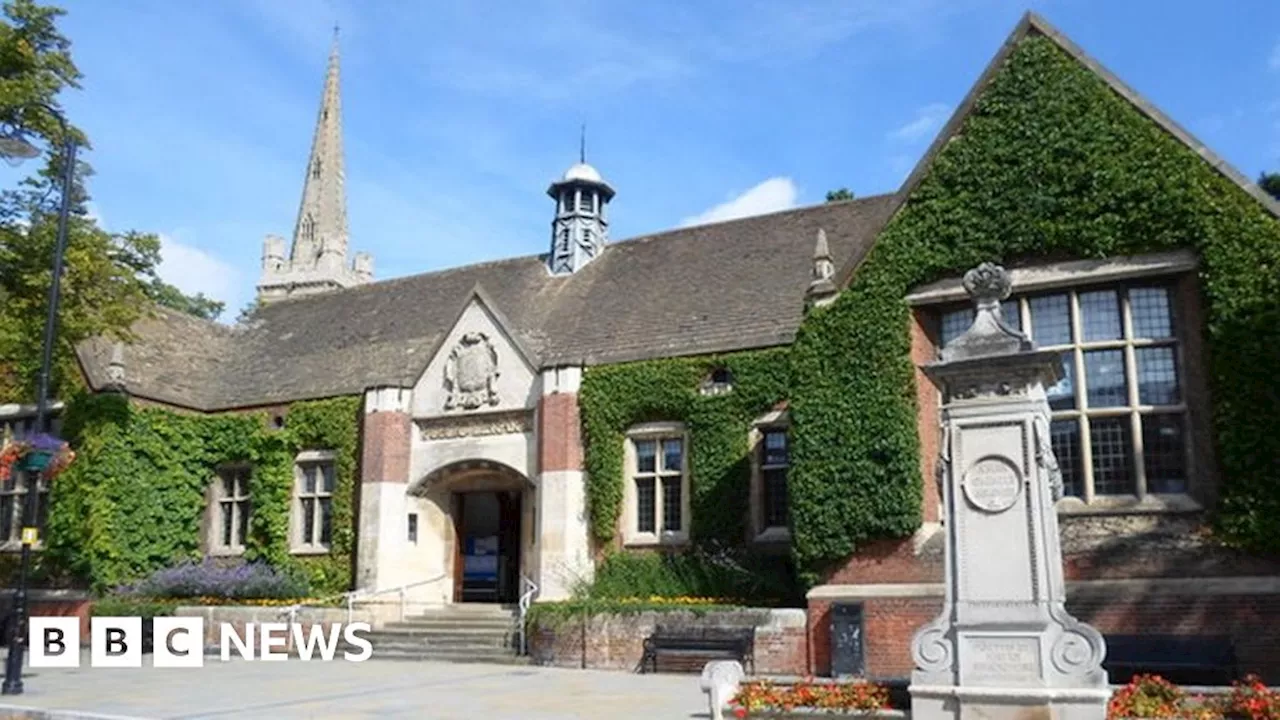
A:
(246, 581)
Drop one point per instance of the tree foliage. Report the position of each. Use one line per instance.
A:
(162, 293)
(838, 195)
(108, 278)
(1270, 182)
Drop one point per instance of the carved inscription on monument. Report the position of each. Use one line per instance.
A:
(995, 661)
(992, 484)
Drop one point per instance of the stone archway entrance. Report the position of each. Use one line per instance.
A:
(487, 506)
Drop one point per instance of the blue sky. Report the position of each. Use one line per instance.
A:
(458, 115)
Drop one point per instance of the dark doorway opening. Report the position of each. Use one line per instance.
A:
(487, 556)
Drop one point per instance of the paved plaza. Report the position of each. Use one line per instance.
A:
(372, 689)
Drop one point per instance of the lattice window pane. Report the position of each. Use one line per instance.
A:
(309, 479)
(646, 504)
(228, 521)
(672, 454)
(1064, 436)
(1100, 315)
(1105, 378)
(1112, 456)
(775, 447)
(646, 456)
(1152, 316)
(954, 324)
(1062, 396)
(229, 485)
(246, 509)
(308, 520)
(327, 475)
(1050, 319)
(1164, 454)
(671, 504)
(326, 520)
(775, 497)
(1009, 313)
(1158, 376)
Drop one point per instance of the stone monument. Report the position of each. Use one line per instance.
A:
(1004, 647)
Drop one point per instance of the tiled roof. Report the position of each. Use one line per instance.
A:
(711, 288)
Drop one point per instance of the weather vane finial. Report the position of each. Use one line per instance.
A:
(582, 144)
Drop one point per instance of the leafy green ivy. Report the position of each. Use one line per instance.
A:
(1051, 163)
(134, 500)
(615, 397)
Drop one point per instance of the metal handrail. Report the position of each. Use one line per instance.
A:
(362, 594)
(526, 598)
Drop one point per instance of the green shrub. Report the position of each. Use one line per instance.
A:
(717, 573)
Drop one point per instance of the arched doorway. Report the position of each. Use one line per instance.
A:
(486, 505)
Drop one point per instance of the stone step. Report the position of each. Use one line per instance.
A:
(422, 625)
(465, 653)
(441, 640)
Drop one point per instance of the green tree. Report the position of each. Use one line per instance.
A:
(248, 311)
(171, 297)
(1270, 182)
(838, 195)
(106, 276)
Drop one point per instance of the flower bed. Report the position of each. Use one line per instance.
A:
(1151, 696)
(762, 698)
(209, 582)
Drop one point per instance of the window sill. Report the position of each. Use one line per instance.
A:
(774, 535)
(309, 550)
(656, 539)
(226, 552)
(1119, 505)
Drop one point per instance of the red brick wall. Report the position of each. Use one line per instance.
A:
(887, 627)
(888, 561)
(1251, 620)
(924, 350)
(65, 608)
(559, 435)
(385, 451)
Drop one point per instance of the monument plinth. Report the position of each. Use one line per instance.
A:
(1004, 646)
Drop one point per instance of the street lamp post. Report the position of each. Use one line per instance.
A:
(15, 146)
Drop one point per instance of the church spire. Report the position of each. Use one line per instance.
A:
(320, 234)
(317, 260)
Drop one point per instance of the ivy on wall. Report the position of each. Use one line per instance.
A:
(1050, 164)
(135, 499)
(615, 397)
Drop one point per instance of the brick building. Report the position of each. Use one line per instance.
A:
(471, 475)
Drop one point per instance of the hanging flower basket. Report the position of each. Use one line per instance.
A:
(36, 453)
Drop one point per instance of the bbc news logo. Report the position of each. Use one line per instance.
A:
(179, 642)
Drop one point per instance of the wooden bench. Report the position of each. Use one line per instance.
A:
(729, 643)
(1181, 659)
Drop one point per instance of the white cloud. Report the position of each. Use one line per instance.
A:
(774, 194)
(194, 270)
(928, 119)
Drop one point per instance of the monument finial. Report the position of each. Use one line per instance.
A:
(582, 144)
(988, 284)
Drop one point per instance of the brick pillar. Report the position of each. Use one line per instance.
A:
(384, 477)
(562, 548)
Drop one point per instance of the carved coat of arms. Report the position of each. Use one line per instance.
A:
(471, 373)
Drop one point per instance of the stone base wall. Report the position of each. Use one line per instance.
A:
(239, 616)
(1244, 608)
(616, 642)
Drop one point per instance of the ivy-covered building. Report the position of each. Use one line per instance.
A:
(481, 430)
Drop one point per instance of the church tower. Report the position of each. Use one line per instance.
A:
(581, 226)
(317, 260)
